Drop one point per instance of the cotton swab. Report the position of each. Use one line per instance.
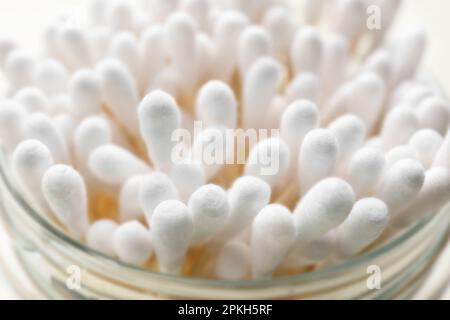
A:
(120, 93)
(365, 223)
(40, 127)
(85, 93)
(317, 159)
(199, 10)
(161, 9)
(443, 154)
(209, 209)
(335, 62)
(233, 261)
(172, 230)
(113, 164)
(159, 117)
(76, 48)
(398, 127)
(433, 195)
(152, 55)
(297, 120)
(30, 160)
(155, 188)
(216, 105)
(304, 86)
(352, 28)
(268, 160)
(32, 99)
(401, 152)
(426, 143)
(100, 236)
(246, 197)
(273, 234)
(19, 68)
(65, 192)
(187, 176)
(434, 113)
(12, 120)
(312, 10)
(7, 45)
(121, 16)
(307, 50)
(323, 208)
(226, 32)
(365, 169)
(51, 77)
(254, 43)
(129, 206)
(133, 243)
(124, 47)
(400, 184)
(259, 88)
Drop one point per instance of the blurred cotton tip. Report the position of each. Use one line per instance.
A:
(398, 127)
(132, 243)
(233, 261)
(129, 205)
(187, 176)
(426, 143)
(12, 121)
(51, 77)
(306, 51)
(254, 43)
(100, 236)
(32, 99)
(85, 93)
(434, 113)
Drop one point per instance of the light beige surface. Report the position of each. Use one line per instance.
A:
(25, 19)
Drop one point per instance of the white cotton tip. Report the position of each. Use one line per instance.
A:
(51, 77)
(380, 63)
(260, 86)
(41, 127)
(155, 188)
(159, 118)
(32, 99)
(180, 36)
(129, 206)
(408, 53)
(19, 68)
(268, 160)
(432, 197)
(365, 170)
(426, 143)
(254, 43)
(90, 134)
(226, 33)
(281, 26)
(335, 62)
(350, 18)
(338, 102)
(162, 9)
(400, 152)
(273, 234)
(307, 50)
(199, 10)
(209, 209)
(187, 177)
(350, 133)
(59, 104)
(233, 261)
(401, 184)
(114, 165)
(121, 16)
(398, 127)
(298, 119)
(374, 142)
(367, 99)
(216, 105)
(66, 125)
(411, 93)
(318, 250)
(65, 192)
(152, 54)
(323, 208)
(30, 160)
(100, 236)
(443, 154)
(12, 120)
(312, 10)
(365, 223)
(76, 48)
(172, 230)
(167, 80)
(434, 113)
(247, 196)
(317, 159)
(305, 86)
(7, 45)
(100, 38)
(124, 47)
(85, 93)
(119, 92)
(133, 243)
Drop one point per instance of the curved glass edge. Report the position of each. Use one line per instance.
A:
(60, 235)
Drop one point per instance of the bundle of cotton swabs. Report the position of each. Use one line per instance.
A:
(362, 149)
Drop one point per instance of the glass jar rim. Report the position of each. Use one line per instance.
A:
(341, 266)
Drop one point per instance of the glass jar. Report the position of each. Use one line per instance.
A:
(54, 263)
